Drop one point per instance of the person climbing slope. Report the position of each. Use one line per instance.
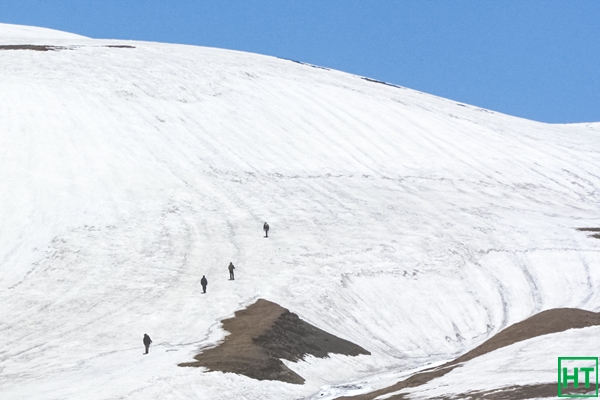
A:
(147, 342)
(231, 268)
(204, 283)
(266, 229)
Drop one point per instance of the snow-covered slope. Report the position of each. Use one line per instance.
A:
(17, 34)
(411, 225)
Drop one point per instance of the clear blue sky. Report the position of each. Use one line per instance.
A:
(534, 59)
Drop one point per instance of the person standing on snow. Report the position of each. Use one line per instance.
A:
(231, 268)
(147, 342)
(204, 283)
(266, 229)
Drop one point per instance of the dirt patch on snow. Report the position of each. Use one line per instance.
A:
(120, 46)
(544, 323)
(539, 391)
(595, 236)
(263, 334)
(43, 47)
(34, 47)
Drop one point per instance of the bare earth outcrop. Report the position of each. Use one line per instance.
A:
(544, 323)
(34, 47)
(263, 334)
(595, 235)
(516, 392)
(43, 47)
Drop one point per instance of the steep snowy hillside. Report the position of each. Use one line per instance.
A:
(411, 225)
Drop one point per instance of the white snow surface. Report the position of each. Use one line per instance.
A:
(10, 34)
(412, 225)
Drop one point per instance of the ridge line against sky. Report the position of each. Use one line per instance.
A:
(533, 59)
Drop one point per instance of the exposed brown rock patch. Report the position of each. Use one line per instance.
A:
(43, 47)
(264, 333)
(544, 323)
(34, 47)
(540, 391)
(595, 236)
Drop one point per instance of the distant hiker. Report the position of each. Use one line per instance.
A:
(231, 268)
(266, 229)
(147, 342)
(204, 283)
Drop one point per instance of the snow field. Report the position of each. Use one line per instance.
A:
(409, 224)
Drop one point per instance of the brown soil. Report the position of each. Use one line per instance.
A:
(542, 390)
(595, 236)
(264, 333)
(34, 47)
(546, 322)
(38, 47)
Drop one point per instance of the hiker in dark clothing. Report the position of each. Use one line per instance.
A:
(147, 342)
(204, 283)
(231, 268)
(266, 229)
